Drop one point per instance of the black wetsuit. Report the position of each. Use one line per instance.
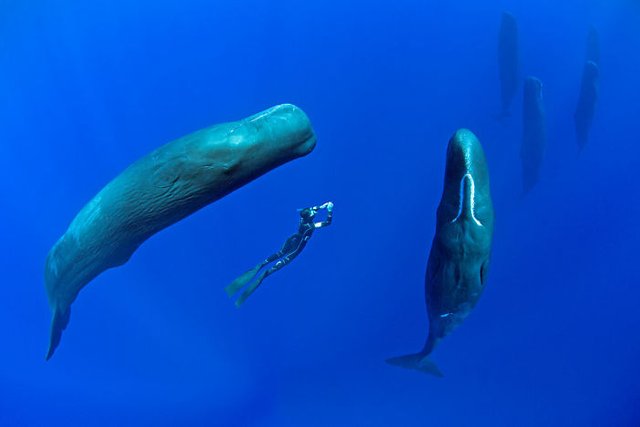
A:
(289, 250)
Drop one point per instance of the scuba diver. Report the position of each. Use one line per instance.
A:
(289, 250)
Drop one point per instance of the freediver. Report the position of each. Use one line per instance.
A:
(289, 250)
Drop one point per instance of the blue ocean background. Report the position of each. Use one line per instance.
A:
(89, 87)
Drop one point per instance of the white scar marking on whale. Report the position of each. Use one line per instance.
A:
(258, 117)
(265, 113)
(472, 200)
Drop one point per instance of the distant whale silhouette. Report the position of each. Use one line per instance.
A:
(461, 249)
(162, 188)
(534, 132)
(508, 61)
(587, 100)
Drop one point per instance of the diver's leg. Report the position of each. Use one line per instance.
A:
(248, 275)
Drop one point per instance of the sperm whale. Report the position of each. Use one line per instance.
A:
(461, 248)
(534, 132)
(587, 99)
(162, 188)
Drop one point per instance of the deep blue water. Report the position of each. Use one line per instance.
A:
(89, 87)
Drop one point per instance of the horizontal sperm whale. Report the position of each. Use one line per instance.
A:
(461, 248)
(534, 132)
(162, 188)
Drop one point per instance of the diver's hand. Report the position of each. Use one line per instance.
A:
(328, 206)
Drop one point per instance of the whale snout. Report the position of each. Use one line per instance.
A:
(288, 126)
(463, 153)
(533, 85)
(466, 192)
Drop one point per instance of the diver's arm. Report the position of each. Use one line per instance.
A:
(329, 207)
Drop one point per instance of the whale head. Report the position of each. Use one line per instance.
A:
(466, 195)
(532, 88)
(284, 128)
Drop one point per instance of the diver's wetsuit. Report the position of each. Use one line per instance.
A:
(289, 250)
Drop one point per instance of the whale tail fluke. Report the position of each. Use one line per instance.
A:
(59, 322)
(417, 361)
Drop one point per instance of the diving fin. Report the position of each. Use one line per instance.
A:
(245, 278)
(250, 289)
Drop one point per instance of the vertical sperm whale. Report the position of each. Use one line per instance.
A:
(508, 62)
(162, 188)
(587, 100)
(534, 132)
(461, 248)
